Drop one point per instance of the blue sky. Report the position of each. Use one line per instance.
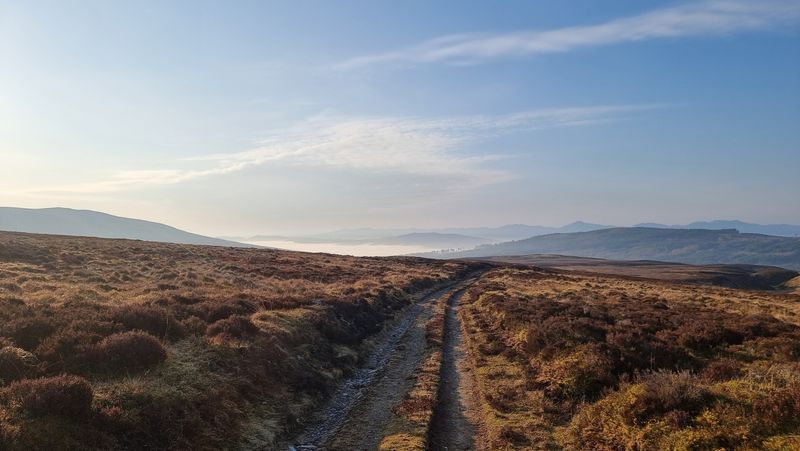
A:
(301, 116)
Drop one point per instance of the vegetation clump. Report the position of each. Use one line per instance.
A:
(152, 319)
(130, 351)
(15, 364)
(232, 328)
(66, 395)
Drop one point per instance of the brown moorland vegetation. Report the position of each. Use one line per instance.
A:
(732, 276)
(116, 344)
(568, 361)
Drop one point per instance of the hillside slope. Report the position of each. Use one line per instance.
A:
(732, 276)
(744, 227)
(66, 221)
(592, 362)
(130, 345)
(640, 243)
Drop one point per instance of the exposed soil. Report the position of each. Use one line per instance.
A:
(359, 411)
(456, 419)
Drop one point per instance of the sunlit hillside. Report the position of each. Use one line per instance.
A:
(110, 344)
(592, 362)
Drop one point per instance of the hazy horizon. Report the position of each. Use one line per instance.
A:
(291, 117)
(398, 229)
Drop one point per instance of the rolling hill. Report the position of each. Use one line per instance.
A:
(66, 221)
(640, 243)
(744, 227)
(733, 276)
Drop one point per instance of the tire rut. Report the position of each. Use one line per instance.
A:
(354, 418)
(456, 421)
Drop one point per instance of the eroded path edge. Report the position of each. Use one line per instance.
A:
(357, 394)
(457, 422)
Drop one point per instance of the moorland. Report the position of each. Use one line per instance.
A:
(732, 276)
(576, 361)
(120, 344)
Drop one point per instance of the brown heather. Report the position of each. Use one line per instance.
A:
(114, 344)
(580, 362)
(69, 396)
(117, 344)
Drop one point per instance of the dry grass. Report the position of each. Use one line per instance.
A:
(409, 427)
(794, 285)
(593, 362)
(254, 339)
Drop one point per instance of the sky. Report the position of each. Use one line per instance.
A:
(304, 116)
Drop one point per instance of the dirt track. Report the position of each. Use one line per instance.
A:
(456, 423)
(357, 414)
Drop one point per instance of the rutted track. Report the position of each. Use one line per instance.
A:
(363, 403)
(456, 424)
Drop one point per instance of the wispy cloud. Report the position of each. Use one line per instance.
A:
(413, 146)
(715, 17)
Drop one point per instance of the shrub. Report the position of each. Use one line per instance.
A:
(195, 326)
(16, 363)
(130, 351)
(65, 395)
(781, 349)
(67, 350)
(216, 310)
(350, 322)
(155, 320)
(178, 419)
(634, 350)
(514, 435)
(665, 391)
(602, 425)
(27, 333)
(722, 370)
(780, 410)
(577, 376)
(635, 416)
(55, 433)
(236, 327)
(700, 336)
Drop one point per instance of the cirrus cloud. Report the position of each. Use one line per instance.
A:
(715, 17)
(419, 147)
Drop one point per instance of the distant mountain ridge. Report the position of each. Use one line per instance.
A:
(697, 246)
(519, 231)
(512, 232)
(66, 221)
(444, 239)
(744, 227)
